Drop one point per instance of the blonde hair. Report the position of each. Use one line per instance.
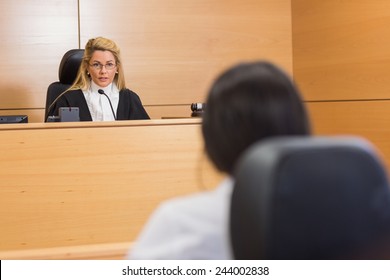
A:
(82, 80)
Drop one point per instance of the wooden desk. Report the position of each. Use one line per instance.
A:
(102, 251)
(70, 184)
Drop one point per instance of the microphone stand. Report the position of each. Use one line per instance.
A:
(112, 109)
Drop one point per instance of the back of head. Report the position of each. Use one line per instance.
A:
(248, 103)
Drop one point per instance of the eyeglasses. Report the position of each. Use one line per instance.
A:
(99, 66)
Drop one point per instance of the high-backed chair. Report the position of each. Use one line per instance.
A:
(310, 198)
(67, 73)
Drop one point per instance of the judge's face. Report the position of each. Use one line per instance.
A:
(102, 68)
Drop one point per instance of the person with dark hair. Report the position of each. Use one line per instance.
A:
(99, 90)
(246, 104)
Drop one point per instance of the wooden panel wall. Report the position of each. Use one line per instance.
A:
(341, 49)
(35, 34)
(369, 119)
(341, 61)
(172, 49)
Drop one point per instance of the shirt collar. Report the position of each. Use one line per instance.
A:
(108, 89)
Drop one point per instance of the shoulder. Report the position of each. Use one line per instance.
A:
(190, 227)
(73, 93)
(129, 96)
(195, 204)
(128, 92)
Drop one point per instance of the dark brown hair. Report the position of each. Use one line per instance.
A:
(248, 103)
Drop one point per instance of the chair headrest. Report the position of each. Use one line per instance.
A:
(69, 66)
(309, 198)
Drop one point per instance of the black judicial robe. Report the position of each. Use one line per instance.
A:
(129, 105)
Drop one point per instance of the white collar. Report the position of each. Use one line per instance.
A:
(110, 90)
(98, 104)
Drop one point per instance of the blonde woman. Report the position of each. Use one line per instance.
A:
(99, 90)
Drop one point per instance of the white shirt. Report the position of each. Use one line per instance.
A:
(191, 227)
(99, 105)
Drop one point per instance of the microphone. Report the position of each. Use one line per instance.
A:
(112, 109)
(58, 118)
(49, 118)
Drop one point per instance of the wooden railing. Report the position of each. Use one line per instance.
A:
(105, 251)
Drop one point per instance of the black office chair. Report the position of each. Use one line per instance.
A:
(310, 198)
(67, 73)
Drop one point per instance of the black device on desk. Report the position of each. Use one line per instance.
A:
(66, 114)
(197, 109)
(14, 119)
